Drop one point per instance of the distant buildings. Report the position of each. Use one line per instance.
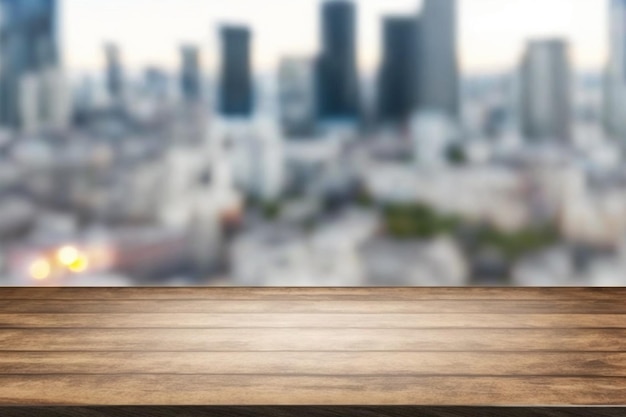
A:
(399, 70)
(284, 255)
(236, 85)
(438, 89)
(114, 72)
(33, 94)
(615, 82)
(567, 266)
(480, 194)
(249, 154)
(190, 75)
(390, 262)
(338, 81)
(432, 133)
(156, 82)
(546, 102)
(18, 215)
(296, 78)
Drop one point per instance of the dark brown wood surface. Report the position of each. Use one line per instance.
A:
(312, 347)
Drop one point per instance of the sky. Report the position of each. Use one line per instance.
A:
(492, 33)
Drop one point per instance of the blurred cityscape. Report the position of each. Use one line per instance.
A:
(314, 175)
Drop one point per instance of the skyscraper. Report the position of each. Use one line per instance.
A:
(156, 82)
(338, 83)
(114, 72)
(296, 78)
(236, 95)
(615, 81)
(190, 78)
(438, 89)
(545, 90)
(399, 72)
(28, 47)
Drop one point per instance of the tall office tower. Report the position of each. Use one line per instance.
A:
(399, 72)
(190, 77)
(296, 78)
(545, 90)
(156, 82)
(338, 80)
(236, 95)
(438, 90)
(114, 72)
(615, 79)
(30, 54)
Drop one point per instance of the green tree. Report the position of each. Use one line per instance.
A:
(516, 244)
(456, 154)
(417, 221)
(271, 210)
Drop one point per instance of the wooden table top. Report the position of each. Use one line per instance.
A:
(289, 347)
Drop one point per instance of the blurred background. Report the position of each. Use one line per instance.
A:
(313, 143)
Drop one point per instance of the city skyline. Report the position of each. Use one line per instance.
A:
(332, 170)
(503, 26)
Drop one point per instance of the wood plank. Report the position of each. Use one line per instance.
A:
(307, 390)
(312, 347)
(303, 294)
(338, 321)
(614, 306)
(317, 363)
(144, 340)
(304, 411)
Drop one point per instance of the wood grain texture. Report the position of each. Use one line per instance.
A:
(339, 306)
(312, 347)
(309, 412)
(313, 321)
(317, 363)
(255, 294)
(313, 340)
(59, 389)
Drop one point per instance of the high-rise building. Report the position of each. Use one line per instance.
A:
(156, 83)
(236, 85)
(190, 78)
(54, 100)
(297, 101)
(615, 81)
(338, 81)
(114, 72)
(438, 89)
(399, 72)
(546, 91)
(30, 55)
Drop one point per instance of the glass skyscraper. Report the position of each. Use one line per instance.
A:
(28, 44)
(546, 105)
(439, 69)
(615, 82)
(114, 72)
(190, 79)
(236, 95)
(338, 83)
(399, 72)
